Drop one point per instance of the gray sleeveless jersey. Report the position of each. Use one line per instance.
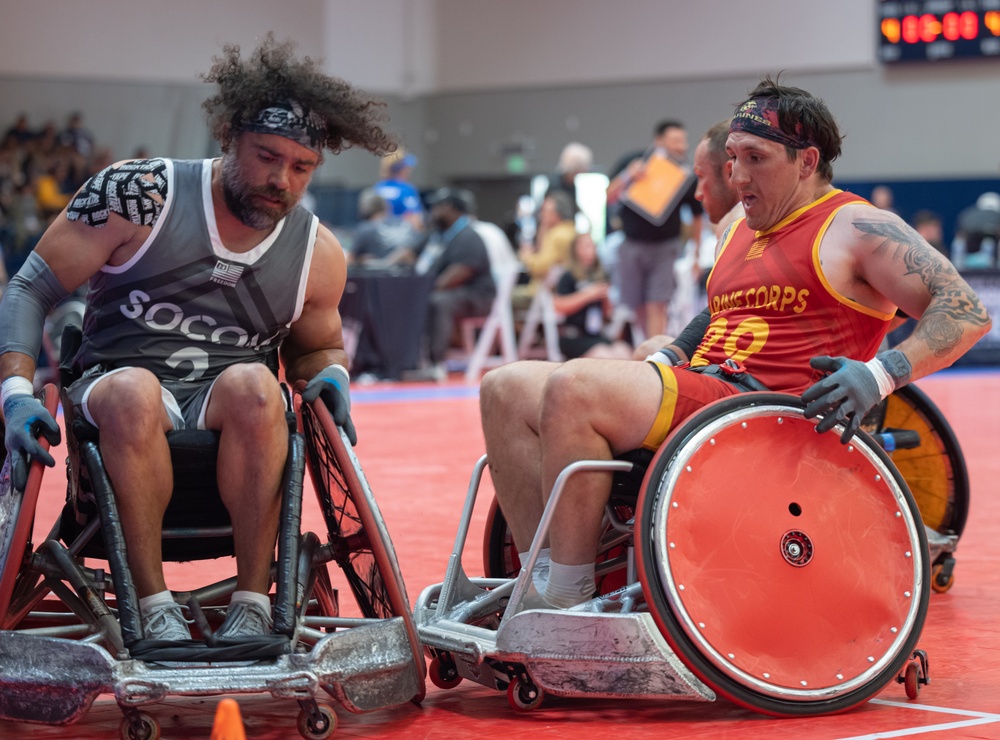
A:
(184, 306)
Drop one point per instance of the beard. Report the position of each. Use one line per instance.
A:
(239, 195)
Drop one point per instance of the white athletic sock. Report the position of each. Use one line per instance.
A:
(251, 597)
(540, 573)
(569, 585)
(160, 599)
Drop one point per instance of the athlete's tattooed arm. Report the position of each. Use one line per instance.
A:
(954, 319)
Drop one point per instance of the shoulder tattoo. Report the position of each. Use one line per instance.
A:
(134, 190)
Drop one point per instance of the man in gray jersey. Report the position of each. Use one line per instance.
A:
(198, 271)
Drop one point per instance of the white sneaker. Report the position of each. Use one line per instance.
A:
(245, 620)
(165, 622)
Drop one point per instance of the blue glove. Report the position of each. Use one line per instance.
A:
(332, 384)
(844, 397)
(26, 419)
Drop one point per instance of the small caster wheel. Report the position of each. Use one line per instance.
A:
(145, 728)
(911, 681)
(317, 725)
(524, 695)
(940, 581)
(443, 673)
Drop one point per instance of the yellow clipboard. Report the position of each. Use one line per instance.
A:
(658, 192)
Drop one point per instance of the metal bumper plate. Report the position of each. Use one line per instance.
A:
(54, 681)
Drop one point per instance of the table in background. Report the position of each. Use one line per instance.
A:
(388, 313)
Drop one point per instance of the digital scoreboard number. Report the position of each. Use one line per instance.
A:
(931, 30)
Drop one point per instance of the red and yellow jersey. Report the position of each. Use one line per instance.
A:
(772, 307)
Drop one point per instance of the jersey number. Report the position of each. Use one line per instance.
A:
(755, 328)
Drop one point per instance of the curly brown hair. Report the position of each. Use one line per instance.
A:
(272, 74)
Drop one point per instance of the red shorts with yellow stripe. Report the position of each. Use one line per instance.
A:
(684, 394)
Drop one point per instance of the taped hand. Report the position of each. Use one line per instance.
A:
(333, 385)
(26, 419)
(843, 397)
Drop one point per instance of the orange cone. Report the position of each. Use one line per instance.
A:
(228, 722)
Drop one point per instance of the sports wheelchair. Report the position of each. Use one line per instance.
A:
(71, 631)
(749, 558)
(907, 425)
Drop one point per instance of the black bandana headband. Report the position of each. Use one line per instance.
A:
(291, 120)
(759, 116)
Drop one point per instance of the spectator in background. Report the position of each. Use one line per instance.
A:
(19, 130)
(54, 188)
(460, 265)
(975, 243)
(575, 159)
(928, 225)
(646, 257)
(498, 245)
(76, 137)
(556, 232)
(581, 297)
(882, 197)
(395, 188)
(379, 241)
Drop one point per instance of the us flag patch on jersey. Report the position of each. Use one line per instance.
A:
(225, 273)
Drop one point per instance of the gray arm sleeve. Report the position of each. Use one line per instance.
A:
(29, 297)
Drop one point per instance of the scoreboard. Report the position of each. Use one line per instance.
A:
(932, 30)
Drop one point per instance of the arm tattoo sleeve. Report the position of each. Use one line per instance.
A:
(135, 190)
(953, 303)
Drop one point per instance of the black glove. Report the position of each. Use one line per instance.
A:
(27, 419)
(333, 385)
(843, 397)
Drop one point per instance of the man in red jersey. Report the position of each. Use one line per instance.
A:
(801, 295)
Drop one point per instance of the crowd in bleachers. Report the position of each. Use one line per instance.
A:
(40, 168)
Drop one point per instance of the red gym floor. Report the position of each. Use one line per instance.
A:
(417, 446)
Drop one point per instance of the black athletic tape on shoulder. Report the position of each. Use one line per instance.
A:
(134, 190)
(29, 297)
(693, 333)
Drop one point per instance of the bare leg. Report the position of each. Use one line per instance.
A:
(246, 407)
(656, 319)
(510, 399)
(591, 410)
(128, 409)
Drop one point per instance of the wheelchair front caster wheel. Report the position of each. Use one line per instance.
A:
(942, 580)
(910, 681)
(318, 724)
(915, 674)
(144, 727)
(443, 673)
(524, 695)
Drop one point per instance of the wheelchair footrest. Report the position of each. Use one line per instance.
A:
(248, 648)
(50, 680)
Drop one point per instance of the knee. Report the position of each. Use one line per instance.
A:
(248, 394)
(566, 396)
(505, 389)
(128, 400)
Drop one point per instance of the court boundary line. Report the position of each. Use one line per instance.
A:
(978, 718)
